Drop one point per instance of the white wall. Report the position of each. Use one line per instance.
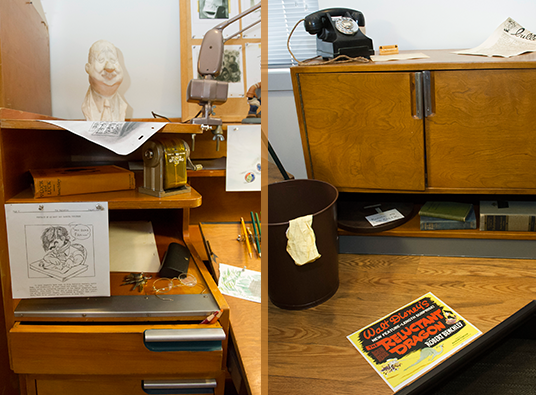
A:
(413, 25)
(145, 32)
(424, 24)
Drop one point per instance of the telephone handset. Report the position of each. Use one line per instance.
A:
(339, 31)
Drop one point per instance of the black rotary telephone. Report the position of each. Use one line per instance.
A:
(338, 33)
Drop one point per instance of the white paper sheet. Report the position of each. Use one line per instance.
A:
(240, 283)
(243, 171)
(253, 64)
(58, 249)
(399, 56)
(509, 39)
(133, 247)
(122, 138)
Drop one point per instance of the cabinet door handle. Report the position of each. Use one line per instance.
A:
(202, 386)
(202, 339)
(427, 93)
(418, 95)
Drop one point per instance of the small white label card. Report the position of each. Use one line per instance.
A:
(58, 249)
(384, 217)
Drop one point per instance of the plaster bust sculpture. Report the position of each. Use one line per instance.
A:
(102, 102)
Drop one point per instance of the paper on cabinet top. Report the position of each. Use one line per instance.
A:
(509, 39)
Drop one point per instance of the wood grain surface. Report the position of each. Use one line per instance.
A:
(361, 130)
(480, 134)
(245, 324)
(308, 349)
(25, 53)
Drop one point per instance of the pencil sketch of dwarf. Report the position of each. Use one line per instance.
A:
(63, 259)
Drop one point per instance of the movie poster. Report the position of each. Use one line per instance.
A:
(410, 341)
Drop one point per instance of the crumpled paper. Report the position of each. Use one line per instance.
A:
(301, 244)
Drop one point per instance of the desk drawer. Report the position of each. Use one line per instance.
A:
(127, 386)
(117, 350)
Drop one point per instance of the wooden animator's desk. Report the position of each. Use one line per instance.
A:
(245, 321)
(309, 353)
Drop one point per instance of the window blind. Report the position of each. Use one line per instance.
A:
(282, 17)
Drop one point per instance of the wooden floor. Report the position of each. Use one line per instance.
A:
(308, 349)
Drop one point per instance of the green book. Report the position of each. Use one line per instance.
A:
(447, 210)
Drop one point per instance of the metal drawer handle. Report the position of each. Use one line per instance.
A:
(418, 95)
(202, 339)
(202, 386)
(427, 93)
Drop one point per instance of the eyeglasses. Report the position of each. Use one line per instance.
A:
(165, 285)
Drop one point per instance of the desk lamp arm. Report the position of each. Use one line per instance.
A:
(211, 53)
(207, 91)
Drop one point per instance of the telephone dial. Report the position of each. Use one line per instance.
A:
(339, 32)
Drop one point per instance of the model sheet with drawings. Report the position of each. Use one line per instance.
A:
(58, 249)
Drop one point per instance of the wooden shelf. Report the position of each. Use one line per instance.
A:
(412, 229)
(39, 125)
(211, 168)
(130, 199)
(206, 173)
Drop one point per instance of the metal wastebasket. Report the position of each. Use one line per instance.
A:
(291, 286)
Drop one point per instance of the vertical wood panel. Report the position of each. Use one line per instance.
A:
(25, 58)
(361, 130)
(9, 381)
(481, 134)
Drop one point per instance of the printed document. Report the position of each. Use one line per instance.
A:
(412, 340)
(509, 39)
(58, 249)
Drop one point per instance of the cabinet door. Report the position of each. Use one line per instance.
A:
(360, 130)
(482, 133)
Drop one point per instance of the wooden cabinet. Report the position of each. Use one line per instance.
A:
(445, 124)
(130, 342)
(445, 127)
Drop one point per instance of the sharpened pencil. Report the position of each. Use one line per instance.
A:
(246, 236)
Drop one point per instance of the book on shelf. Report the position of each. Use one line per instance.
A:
(79, 180)
(434, 223)
(448, 210)
(508, 216)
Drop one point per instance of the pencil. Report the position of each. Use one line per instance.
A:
(253, 242)
(258, 223)
(246, 236)
(256, 234)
